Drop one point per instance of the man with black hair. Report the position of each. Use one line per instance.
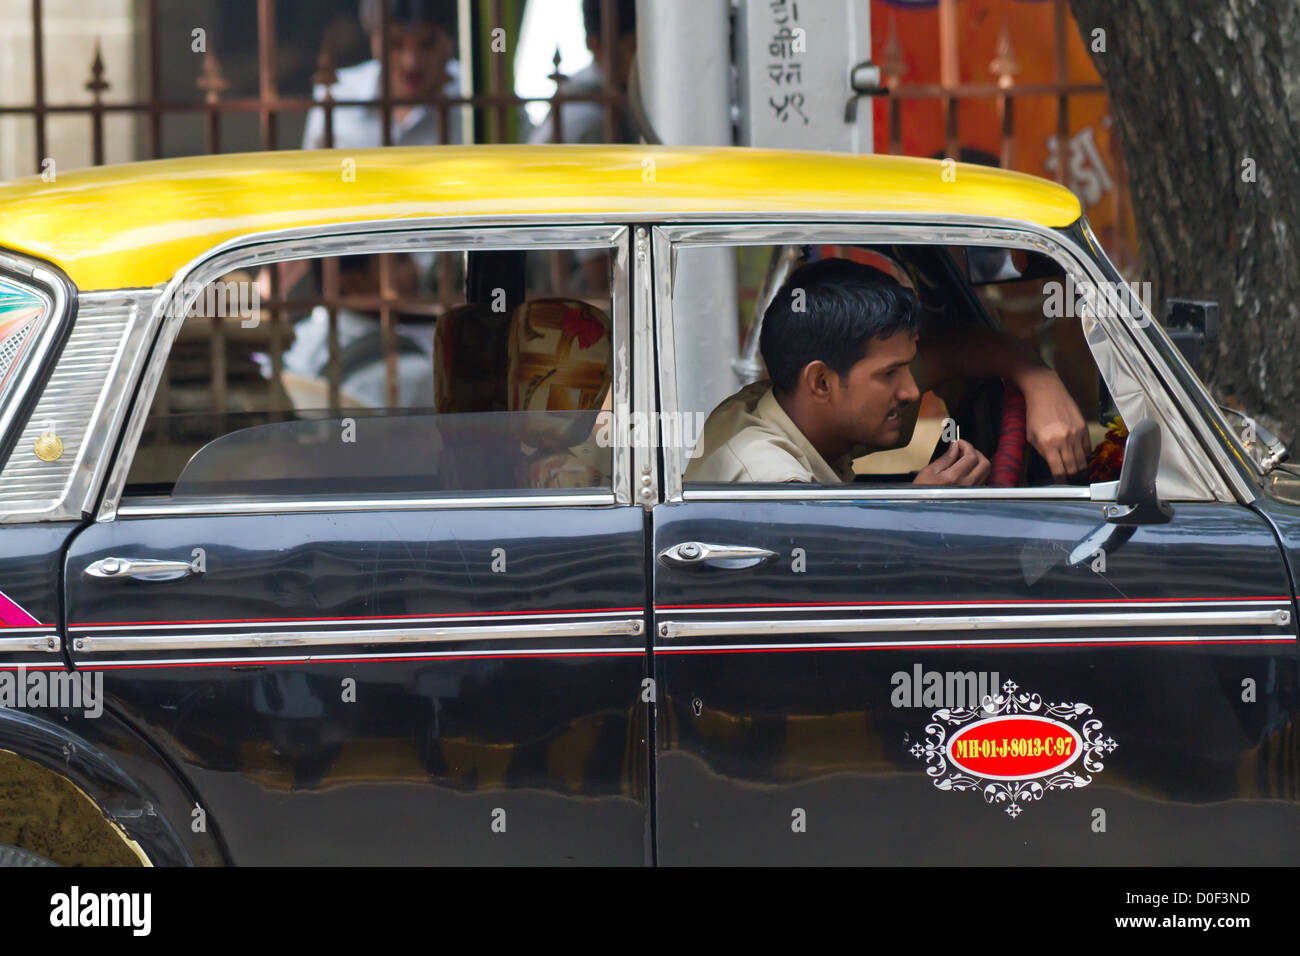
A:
(421, 47)
(584, 122)
(840, 341)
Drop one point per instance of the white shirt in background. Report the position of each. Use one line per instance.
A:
(360, 127)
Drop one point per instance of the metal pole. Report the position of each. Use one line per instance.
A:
(684, 71)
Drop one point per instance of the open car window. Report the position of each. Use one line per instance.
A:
(1011, 292)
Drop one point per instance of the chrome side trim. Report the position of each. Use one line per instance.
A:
(42, 643)
(151, 507)
(905, 493)
(83, 402)
(1201, 480)
(260, 249)
(439, 620)
(976, 622)
(369, 636)
(1093, 606)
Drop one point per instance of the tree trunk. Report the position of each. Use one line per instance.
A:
(1206, 97)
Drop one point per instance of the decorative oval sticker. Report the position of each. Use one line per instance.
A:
(1014, 747)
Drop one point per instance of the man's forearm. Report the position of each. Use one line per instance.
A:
(976, 353)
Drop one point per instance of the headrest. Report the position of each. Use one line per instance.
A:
(559, 360)
(469, 360)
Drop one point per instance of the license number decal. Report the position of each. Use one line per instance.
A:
(1013, 748)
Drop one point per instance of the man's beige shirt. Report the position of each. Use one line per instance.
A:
(749, 437)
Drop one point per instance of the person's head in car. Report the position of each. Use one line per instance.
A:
(421, 42)
(838, 340)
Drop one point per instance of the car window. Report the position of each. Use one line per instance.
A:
(398, 373)
(1016, 295)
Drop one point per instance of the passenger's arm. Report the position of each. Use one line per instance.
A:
(1055, 426)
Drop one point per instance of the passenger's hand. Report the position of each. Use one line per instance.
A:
(961, 465)
(1054, 425)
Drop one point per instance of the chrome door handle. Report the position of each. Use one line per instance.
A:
(691, 554)
(146, 569)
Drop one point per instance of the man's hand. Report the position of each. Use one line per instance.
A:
(1054, 425)
(961, 465)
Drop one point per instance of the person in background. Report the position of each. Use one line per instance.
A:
(422, 44)
(585, 122)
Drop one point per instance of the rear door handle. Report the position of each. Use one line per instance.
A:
(146, 569)
(694, 554)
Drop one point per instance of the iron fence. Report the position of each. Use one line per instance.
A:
(492, 109)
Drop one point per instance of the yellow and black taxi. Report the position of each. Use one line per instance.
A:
(347, 516)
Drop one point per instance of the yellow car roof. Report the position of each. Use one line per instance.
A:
(135, 225)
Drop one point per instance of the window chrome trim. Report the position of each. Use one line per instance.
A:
(644, 453)
(905, 493)
(920, 227)
(624, 304)
(966, 230)
(258, 249)
(56, 290)
(975, 622)
(665, 274)
(628, 627)
(157, 507)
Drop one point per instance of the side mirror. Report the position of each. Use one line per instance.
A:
(1191, 325)
(1136, 501)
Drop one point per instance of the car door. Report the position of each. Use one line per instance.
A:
(383, 650)
(939, 676)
